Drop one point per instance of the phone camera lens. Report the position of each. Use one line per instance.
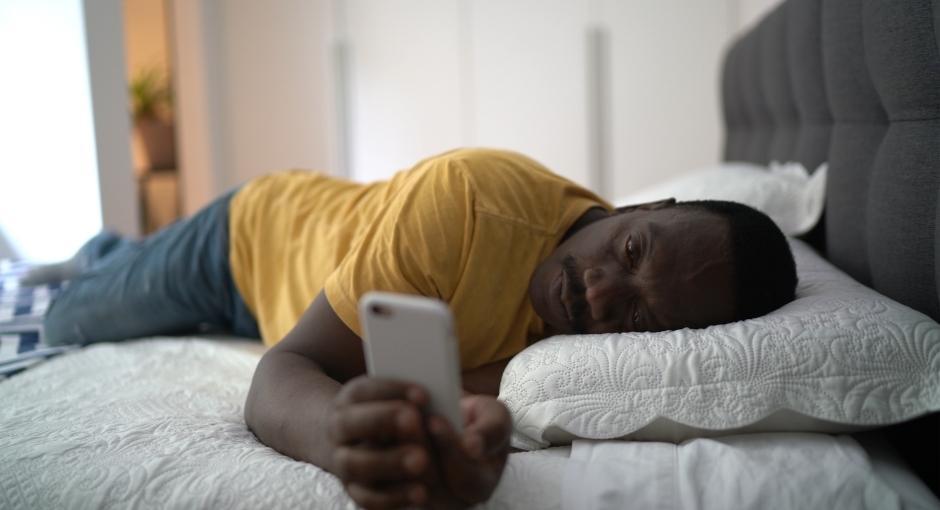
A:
(380, 310)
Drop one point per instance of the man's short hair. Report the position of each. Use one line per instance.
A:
(764, 271)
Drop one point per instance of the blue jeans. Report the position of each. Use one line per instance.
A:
(176, 281)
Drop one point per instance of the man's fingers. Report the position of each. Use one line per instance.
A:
(387, 497)
(469, 478)
(365, 389)
(372, 465)
(379, 422)
(488, 426)
(444, 437)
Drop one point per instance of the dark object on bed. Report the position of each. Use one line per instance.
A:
(855, 83)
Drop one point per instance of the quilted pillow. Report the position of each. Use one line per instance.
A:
(839, 358)
(786, 192)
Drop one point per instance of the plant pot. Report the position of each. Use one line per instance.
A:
(158, 142)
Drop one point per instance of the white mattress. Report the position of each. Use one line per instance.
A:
(158, 423)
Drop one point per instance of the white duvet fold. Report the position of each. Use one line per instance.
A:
(752, 471)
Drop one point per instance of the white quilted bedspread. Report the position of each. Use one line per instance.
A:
(158, 424)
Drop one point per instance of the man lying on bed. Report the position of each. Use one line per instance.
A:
(518, 253)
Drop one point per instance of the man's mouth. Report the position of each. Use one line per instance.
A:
(557, 305)
(571, 296)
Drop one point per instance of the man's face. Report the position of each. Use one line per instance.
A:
(641, 270)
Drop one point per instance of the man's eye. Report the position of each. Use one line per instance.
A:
(631, 250)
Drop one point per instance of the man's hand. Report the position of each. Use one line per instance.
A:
(386, 458)
(471, 463)
(380, 445)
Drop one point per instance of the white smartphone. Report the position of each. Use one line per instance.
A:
(411, 338)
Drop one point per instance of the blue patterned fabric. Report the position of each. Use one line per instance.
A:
(21, 312)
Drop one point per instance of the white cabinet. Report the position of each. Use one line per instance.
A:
(528, 66)
(404, 83)
(427, 76)
(664, 77)
(430, 75)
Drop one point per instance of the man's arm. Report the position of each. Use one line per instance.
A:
(484, 380)
(298, 379)
(294, 386)
(298, 406)
(370, 432)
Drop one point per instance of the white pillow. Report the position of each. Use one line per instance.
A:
(838, 358)
(785, 192)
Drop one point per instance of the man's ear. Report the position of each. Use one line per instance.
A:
(647, 206)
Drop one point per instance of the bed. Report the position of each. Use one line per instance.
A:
(158, 422)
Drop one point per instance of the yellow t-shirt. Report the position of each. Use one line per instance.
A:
(468, 227)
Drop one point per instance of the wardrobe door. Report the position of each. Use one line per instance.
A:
(665, 58)
(529, 69)
(403, 82)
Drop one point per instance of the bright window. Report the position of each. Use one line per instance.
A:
(49, 198)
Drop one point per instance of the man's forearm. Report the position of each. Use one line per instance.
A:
(484, 380)
(289, 404)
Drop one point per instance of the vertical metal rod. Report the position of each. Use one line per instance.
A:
(341, 100)
(341, 90)
(598, 110)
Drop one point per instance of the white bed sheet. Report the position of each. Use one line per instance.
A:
(145, 424)
(158, 424)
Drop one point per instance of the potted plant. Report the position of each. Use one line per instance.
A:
(151, 101)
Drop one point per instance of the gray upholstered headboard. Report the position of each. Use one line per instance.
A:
(855, 83)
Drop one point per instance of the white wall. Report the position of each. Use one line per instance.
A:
(253, 89)
(194, 46)
(748, 12)
(104, 39)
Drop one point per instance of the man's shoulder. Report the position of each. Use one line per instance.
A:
(482, 164)
(515, 187)
(502, 185)
(494, 163)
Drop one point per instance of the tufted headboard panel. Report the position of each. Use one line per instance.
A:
(855, 83)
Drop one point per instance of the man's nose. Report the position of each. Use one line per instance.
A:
(602, 287)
